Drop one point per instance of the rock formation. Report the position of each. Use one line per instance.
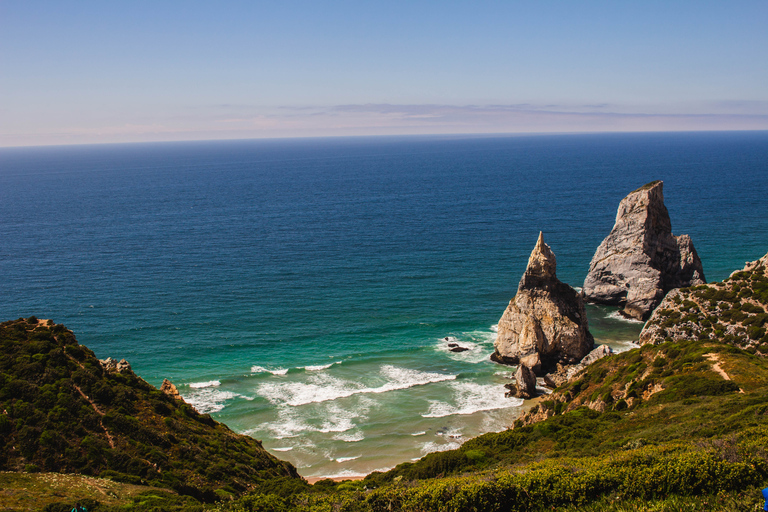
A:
(732, 311)
(113, 366)
(641, 260)
(525, 384)
(545, 322)
(564, 374)
(170, 389)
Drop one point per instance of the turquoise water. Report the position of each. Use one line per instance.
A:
(301, 290)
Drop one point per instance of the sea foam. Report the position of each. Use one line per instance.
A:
(316, 368)
(209, 399)
(206, 384)
(322, 387)
(616, 315)
(469, 398)
(273, 371)
(346, 459)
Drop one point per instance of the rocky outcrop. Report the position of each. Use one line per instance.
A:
(169, 388)
(732, 311)
(114, 366)
(641, 260)
(545, 322)
(525, 384)
(564, 374)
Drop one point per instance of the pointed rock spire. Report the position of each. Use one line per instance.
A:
(542, 262)
(545, 322)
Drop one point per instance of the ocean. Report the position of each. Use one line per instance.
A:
(302, 291)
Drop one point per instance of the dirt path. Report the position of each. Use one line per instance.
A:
(716, 367)
(93, 404)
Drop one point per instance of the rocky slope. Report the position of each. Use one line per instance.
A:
(62, 410)
(641, 260)
(734, 311)
(545, 323)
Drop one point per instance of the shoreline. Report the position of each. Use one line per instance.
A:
(524, 408)
(312, 480)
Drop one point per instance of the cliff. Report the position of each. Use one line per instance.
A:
(734, 311)
(62, 410)
(641, 260)
(545, 323)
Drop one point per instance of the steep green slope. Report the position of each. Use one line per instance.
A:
(61, 411)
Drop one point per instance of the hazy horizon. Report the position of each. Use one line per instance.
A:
(102, 73)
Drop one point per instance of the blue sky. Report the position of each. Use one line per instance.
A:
(84, 72)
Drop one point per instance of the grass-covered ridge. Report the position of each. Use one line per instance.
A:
(60, 411)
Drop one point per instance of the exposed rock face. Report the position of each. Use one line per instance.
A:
(566, 373)
(641, 260)
(168, 388)
(545, 322)
(732, 311)
(525, 383)
(112, 365)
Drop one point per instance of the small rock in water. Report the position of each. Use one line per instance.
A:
(451, 345)
(459, 349)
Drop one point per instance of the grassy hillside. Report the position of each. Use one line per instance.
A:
(678, 424)
(61, 411)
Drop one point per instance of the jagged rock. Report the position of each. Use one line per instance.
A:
(598, 353)
(112, 365)
(545, 322)
(525, 384)
(168, 388)
(686, 314)
(566, 373)
(641, 260)
(751, 266)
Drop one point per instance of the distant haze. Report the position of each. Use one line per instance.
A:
(91, 72)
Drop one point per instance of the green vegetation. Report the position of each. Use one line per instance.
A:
(679, 424)
(734, 311)
(60, 411)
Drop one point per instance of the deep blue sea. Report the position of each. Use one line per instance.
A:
(301, 290)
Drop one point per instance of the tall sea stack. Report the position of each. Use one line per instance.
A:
(545, 322)
(641, 260)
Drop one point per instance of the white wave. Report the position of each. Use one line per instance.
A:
(350, 438)
(327, 418)
(284, 449)
(422, 433)
(207, 384)
(469, 398)
(346, 459)
(316, 368)
(615, 315)
(288, 424)
(623, 346)
(432, 447)
(340, 425)
(341, 475)
(495, 328)
(323, 387)
(273, 371)
(209, 399)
